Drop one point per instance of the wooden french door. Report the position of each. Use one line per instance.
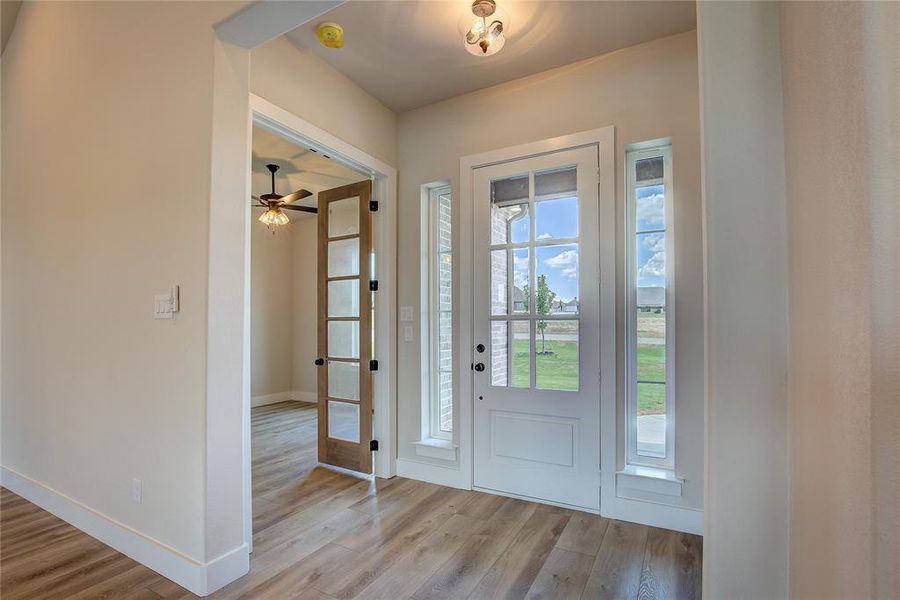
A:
(345, 327)
(537, 329)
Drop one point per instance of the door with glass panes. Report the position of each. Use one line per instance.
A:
(537, 328)
(345, 327)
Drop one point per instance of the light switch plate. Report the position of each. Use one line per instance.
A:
(406, 313)
(407, 333)
(166, 305)
(162, 307)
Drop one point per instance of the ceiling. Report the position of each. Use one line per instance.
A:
(410, 54)
(300, 168)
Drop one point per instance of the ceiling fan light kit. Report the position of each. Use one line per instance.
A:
(275, 204)
(485, 36)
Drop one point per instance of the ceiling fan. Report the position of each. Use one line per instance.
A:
(275, 204)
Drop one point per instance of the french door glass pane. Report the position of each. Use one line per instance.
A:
(557, 280)
(499, 289)
(499, 354)
(343, 380)
(556, 355)
(509, 189)
(651, 419)
(343, 421)
(521, 280)
(556, 183)
(343, 298)
(343, 217)
(521, 354)
(511, 354)
(556, 219)
(343, 258)
(343, 339)
(510, 224)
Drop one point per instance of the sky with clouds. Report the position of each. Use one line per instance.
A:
(651, 246)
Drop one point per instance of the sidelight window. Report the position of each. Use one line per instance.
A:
(438, 339)
(649, 317)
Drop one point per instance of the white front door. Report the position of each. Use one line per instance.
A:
(537, 328)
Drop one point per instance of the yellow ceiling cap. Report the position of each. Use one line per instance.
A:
(331, 35)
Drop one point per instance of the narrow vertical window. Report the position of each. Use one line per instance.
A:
(440, 311)
(650, 295)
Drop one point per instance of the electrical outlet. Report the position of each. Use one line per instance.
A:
(137, 491)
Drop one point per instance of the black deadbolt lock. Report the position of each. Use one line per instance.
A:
(320, 362)
(479, 367)
(480, 347)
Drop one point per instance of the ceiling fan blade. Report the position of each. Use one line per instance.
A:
(298, 195)
(257, 198)
(308, 209)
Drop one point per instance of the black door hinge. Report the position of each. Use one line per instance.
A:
(373, 445)
(373, 365)
(373, 285)
(373, 205)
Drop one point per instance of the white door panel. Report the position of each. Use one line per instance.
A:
(537, 329)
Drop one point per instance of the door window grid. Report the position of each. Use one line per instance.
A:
(514, 310)
(343, 299)
(650, 396)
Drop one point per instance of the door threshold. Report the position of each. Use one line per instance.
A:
(593, 511)
(344, 471)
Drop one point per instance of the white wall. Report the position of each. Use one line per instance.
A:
(283, 320)
(841, 66)
(306, 86)
(304, 375)
(746, 527)
(107, 151)
(647, 92)
(271, 309)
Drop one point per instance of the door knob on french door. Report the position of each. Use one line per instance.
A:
(479, 367)
(319, 362)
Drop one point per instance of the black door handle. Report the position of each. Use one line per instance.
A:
(320, 362)
(479, 367)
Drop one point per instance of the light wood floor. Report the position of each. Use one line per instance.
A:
(320, 535)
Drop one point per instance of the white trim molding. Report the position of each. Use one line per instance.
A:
(290, 395)
(432, 473)
(436, 448)
(198, 577)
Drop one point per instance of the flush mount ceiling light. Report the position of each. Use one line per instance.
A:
(485, 36)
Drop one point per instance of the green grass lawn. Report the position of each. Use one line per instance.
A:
(558, 370)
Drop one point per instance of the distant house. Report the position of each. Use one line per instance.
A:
(563, 306)
(651, 299)
(518, 299)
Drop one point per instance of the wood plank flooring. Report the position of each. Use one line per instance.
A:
(321, 535)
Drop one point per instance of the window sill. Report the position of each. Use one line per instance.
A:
(649, 479)
(435, 448)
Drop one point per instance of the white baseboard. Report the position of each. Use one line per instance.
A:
(655, 514)
(284, 397)
(200, 578)
(422, 471)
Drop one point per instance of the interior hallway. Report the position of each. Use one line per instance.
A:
(320, 535)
